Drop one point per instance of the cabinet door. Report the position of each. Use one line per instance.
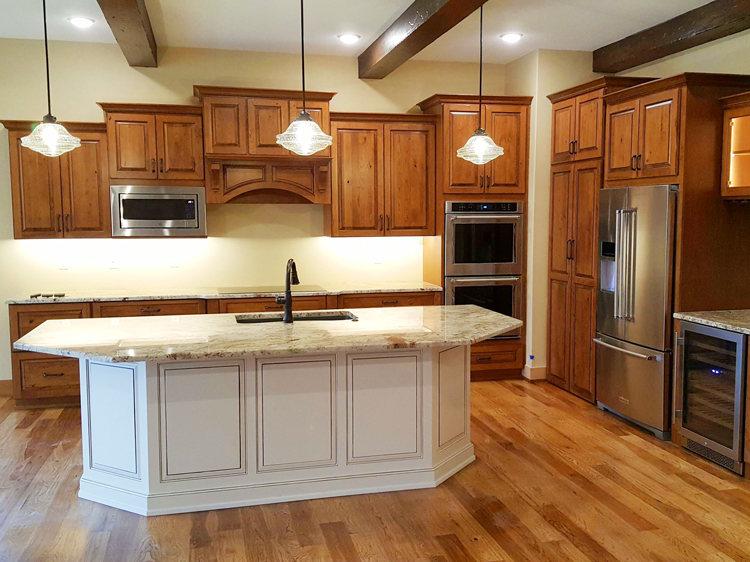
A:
(735, 179)
(659, 134)
(589, 141)
(266, 119)
(585, 219)
(85, 189)
(582, 331)
(557, 331)
(148, 308)
(358, 190)
(319, 112)
(179, 139)
(225, 129)
(409, 179)
(459, 123)
(563, 130)
(622, 140)
(35, 184)
(561, 186)
(132, 145)
(506, 124)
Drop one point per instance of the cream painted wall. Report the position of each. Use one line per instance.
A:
(539, 74)
(249, 244)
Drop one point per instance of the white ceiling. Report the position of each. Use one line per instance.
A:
(273, 25)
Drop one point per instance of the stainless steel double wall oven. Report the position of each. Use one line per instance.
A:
(484, 256)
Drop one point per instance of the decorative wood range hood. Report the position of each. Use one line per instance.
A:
(243, 160)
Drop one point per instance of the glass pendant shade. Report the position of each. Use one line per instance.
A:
(304, 137)
(50, 139)
(480, 148)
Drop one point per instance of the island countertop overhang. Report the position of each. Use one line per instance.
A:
(201, 337)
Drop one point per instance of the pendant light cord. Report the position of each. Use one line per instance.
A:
(481, 48)
(302, 29)
(46, 57)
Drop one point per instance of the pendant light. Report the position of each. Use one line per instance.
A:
(480, 148)
(304, 136)
(49, 137)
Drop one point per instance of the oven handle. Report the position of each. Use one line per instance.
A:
(493, 280)
(486, 217)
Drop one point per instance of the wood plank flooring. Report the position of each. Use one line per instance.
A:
(554, 480)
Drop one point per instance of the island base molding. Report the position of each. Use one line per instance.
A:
(183, 436)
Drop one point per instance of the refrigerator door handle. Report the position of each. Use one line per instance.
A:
(625, 351)
(618, 264)
(631, 218)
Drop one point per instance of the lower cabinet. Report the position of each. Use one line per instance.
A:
(149, 308)
(496, 359)
(231, 306)
(36, 375)
(379, 300)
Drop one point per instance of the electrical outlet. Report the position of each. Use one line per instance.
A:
(174, 263)
(113, 264)
(64, 266)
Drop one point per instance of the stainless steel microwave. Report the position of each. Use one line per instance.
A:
(151, 211)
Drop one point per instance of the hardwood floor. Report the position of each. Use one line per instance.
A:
(554, 480)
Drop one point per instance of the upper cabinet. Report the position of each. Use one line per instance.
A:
(62, 197)
(735, 177)
(244, 160)
(155, 142)
(505, 119)
(384, 176)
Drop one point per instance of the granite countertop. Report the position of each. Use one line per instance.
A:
(732, 320)
(207, 336)
(121, 295)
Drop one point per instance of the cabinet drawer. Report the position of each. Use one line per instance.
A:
(44, 376)
(269, 304)
(148, 308)
(378, 300)
(26, 317)
(510, 357)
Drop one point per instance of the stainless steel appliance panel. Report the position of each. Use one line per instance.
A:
(499, 294)
(649, 234)
(710, 393)
(153, 211)
(611, 201)
(632, 381)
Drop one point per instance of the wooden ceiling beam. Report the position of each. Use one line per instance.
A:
(712, 21)
(421, 23)
(131, 27)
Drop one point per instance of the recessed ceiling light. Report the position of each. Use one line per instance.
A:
(511, 37)
(82, 22)
(349, 38)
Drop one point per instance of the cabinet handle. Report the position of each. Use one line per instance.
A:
(59, 223)
(483, 359)
(274, 307)
(67, 223)
(639, 162)
(153, 165)
(390, 302)
(150, 310)
(571, 148)
(633, 160)
(575, 147)
(52, 375)
(489, 181)
(381, 223)
(161, 164)
(388, 222)
(481, 180)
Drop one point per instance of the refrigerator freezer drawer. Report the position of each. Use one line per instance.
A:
(633, 381)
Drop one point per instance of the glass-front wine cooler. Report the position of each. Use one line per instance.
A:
(710, 394)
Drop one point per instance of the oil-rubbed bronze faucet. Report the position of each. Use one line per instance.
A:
(286, 300)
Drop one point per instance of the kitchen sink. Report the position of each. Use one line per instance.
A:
(266, 317)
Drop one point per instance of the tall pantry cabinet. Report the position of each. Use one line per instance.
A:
(578, 125)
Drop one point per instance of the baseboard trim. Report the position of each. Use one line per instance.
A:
(6, 388)
(534, 373)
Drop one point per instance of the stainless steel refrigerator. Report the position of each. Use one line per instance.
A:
(634, 306)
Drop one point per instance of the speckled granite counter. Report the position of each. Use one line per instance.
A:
(211, 336)
(733, 320)
(122, 295)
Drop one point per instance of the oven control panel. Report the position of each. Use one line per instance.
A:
(471, 207)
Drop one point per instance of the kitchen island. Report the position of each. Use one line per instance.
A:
(188, 413)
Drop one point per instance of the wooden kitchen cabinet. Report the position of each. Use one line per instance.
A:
(735, 176)
(154, 142)
(385, 299)
(572, 276)
(384, 176)
(270, 305)
(41, 380)
(505, 119)
(148, 308)
(643, 136)
(266, 119)
(578, 128)
(62, 197)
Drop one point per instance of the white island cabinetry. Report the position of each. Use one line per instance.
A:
(264, 413)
